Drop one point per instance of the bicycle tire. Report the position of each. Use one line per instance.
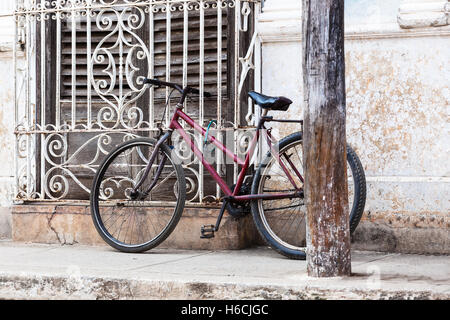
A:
(359, 198)
(95, 194)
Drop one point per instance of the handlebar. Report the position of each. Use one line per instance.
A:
(178, 87)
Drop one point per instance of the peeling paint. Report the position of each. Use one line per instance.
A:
(398, 100)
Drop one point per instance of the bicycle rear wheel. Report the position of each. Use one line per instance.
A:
(282, 223)
(133, 223)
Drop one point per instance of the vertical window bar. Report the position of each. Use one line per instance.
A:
(202, 61)
(43, 70)
(185, 49)
(152, 64)
(237, 29)
(219, 89)
(89, 64)
(168, 56)
(74, 66)
(258, 81)
(43, 98)
(219, 64)
(28, 103)
(202, 78)
(58, 68)
(257, 63)
(237, 109)
(121, 97)
(16, 102)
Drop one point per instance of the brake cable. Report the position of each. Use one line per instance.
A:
(207, 131)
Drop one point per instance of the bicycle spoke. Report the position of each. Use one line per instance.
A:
(160, 183)
(285, 219)
(135, 222)
(282, 218)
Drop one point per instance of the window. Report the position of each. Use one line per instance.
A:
(88, 95)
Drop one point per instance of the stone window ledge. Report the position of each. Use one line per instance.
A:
(422, 14)
(282, 22)
(6, 46)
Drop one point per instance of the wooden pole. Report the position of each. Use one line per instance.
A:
(324, 146)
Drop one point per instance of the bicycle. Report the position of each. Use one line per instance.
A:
(136, 181)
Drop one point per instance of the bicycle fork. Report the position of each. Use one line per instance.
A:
(135, 193)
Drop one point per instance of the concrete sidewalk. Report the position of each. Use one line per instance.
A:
(29, 271)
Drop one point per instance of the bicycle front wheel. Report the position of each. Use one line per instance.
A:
(137, 221)
(282, 223)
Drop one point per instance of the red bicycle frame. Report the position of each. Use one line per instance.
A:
(233, 194)
(230, 195)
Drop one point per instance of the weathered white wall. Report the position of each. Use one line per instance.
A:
(6, 118)
(398, 101)
(6, 23)
(6, 141)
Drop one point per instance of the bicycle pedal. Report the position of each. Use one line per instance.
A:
(207, 231)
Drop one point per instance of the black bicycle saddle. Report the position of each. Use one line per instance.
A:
(270, 103)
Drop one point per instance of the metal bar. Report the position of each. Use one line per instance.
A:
(58, 69)
(89, 64)
(219, 89)
(168, 56)
(267, 196)
(270, 119)
(257, 63)
(152, 63)
(151, 160)
(211, 139)
(155, 203)
(294, 168)
(121, 73)
(237, 103)
(74, 69)
(157, 174)
(246, 162)
(28, 103)
(199, 154)
(276, 155)
(202, 63)
(202, 92)
(31, 132)
(103, 5)
(16, 106)
(185, 47)
(43, 101)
